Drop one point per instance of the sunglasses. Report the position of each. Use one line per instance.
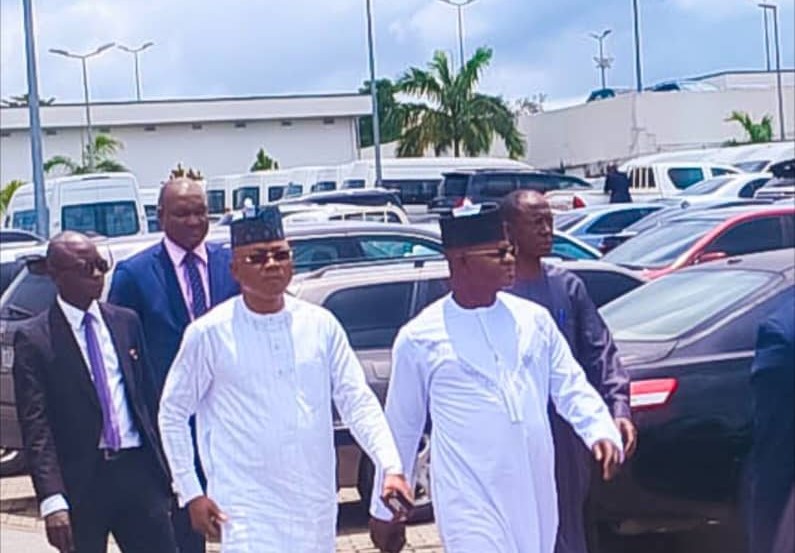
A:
(261, 257)
(87, 268)
(499, 253)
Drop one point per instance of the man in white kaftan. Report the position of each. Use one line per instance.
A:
(485, 374)
(261, 386)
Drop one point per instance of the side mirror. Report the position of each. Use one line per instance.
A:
(710, 256)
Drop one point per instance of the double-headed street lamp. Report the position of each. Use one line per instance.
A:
(83, 58)
(460, 4)
(135, 52)
(602, 63)
(774, 9)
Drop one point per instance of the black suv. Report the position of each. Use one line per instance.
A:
(493, 184)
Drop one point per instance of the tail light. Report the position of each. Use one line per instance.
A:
(650, 394)
(577, 202)
(462, 201)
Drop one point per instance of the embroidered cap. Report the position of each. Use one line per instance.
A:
(472, 224)
(257, 224)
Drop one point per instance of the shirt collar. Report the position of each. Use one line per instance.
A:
(177, 253)
(74, 315)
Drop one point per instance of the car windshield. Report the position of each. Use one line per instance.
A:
(106, 218)
(24, 220)
(706, 187)
(659, 247)
(670, 307)
(564, 221)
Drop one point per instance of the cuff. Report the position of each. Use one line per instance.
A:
(186, 493)
(53, 504)
(621, 410)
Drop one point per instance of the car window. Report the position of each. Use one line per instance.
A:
(413, 191)
(706, 187)
(491, 186)
(240, 194)
(8, 271)
(455, 186)
(605, 286)
(537, 182)
(674, 305)
(294, 190)
(750, 188)
(615, 222)
(275, 193)
(566, 249)
(106, 218)
(353, 183)
(433, 290)
(758, 235)
(683, 177)
(398, 247)
(367, 327)
(216, 201)
(323, 186)
(24, 220)
(659, 247)
(28, 295)
(716, 171)
(566, 183)
(316, 253)
(564, 221)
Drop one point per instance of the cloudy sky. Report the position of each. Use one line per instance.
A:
(262, 47)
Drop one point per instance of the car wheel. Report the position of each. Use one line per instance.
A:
(423, 507)
(12, 461)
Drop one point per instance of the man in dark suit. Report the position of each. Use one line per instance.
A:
(617, 184)
(170, 284)
(81, 380)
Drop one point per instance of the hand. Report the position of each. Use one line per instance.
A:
(629, 434)
(608, 455)
(388, 537)
(59, 531)
(396, 483)
(206, 517)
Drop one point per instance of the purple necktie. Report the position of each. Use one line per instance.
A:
(198, 299)
(110, 426)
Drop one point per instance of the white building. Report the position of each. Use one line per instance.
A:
(216, 136)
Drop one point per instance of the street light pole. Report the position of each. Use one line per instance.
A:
(767, 41)
(459, 5)
(602, 63)
(636, 18)
(39, 199)
(374, 95)
(135, 52)
(83, 58)
(779, 91)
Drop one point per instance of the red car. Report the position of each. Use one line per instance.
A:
(703, 236)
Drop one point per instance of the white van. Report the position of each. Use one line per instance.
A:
(666, 179)
(417, 179)
(104, 203)
(219, 195)
(149, 198)
(313, 178)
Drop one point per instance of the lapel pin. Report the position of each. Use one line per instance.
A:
(134, 354)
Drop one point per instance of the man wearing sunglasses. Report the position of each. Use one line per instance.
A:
(484, 365)
(260, 373)
(170, 284)
(81, 378)
(562, 293)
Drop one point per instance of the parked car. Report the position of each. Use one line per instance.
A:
(605, 93)
(592, 224)
(491, 185)
(707, 235)
(687, 342)
(367, 196)
(16, 236)
(724, 187)
(683, 85)
(782, 185)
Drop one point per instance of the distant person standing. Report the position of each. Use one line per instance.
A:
(771, 461)
(617, 185)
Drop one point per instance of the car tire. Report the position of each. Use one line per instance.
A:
(423, 507)
(12, 461)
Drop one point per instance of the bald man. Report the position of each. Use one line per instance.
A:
(80, 378)
(171, 284)
(529, 221)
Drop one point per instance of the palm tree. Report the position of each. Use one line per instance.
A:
(389, 123)
(102, 151)
(22, 101)
(756, 132)
(263, 162)
(6, 192)
(453, 115)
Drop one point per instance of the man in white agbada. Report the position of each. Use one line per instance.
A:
(259, 372)
(484, 364)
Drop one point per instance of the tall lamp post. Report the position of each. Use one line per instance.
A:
(767, 41)
(374, 95)
(774, 9)
(602, 63)
(135, 52)
(459, 5)
(636, 25)
(42, 217)
(83, 58)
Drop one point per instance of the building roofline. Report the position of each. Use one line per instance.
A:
(732, 72)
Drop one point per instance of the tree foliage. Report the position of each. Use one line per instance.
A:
(755, 132)
(180, 172)
(389, 120)
(6, 192)
(263, 162)
(102, 150)
(21, 100)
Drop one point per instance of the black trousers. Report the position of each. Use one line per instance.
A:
(127, 499)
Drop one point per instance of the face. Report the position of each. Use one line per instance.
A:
(79, 272)
(531, 231)
(490, 266)
(183, 215)
(264, 270)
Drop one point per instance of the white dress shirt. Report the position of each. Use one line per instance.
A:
(127, 431)
(486, 376)
(177, 255)
(261, 387)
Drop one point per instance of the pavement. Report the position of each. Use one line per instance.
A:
(22, 531)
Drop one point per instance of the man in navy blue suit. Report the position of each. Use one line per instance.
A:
(170, 284)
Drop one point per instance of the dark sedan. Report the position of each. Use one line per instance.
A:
(687, 341)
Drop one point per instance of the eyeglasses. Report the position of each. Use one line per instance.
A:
(87, 268)
(263, 256)
(500, 253)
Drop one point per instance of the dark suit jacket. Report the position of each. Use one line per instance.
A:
(617, 184)
(58, 407)
(147, 283)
